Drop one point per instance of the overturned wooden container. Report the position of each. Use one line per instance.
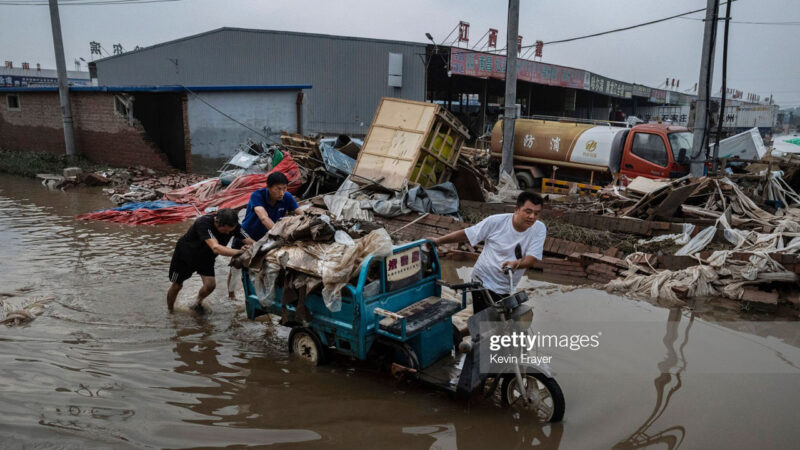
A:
(410, 143)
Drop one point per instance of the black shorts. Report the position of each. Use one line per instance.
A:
(237, 243)
(479, 301)
(183, 266)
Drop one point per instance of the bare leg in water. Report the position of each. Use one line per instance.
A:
(209, 284)
(172, 295)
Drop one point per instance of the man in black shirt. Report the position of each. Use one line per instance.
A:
(198, 248)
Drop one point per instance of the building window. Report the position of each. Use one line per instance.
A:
(12, 101)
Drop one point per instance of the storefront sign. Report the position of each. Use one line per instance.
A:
(658, 96)
(607, 86)
(485, 65)
(641, 91)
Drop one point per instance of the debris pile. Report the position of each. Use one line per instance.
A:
(310, 251)
(199, 198)
(472, 180)
(148, 187)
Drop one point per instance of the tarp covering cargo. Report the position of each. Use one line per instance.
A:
(304, 244)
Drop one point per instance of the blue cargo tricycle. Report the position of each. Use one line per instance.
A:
(395, 313)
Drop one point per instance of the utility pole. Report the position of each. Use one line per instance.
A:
(510, 110)
(715, 161)
(63, 87)
(697, 164)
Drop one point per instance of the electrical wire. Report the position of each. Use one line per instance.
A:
(748, 22)
(617, 30)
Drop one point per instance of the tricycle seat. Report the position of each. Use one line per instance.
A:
(420, 315)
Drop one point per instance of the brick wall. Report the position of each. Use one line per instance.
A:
(101, 135)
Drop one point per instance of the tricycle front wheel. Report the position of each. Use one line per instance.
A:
(305, 344)
(544, 395)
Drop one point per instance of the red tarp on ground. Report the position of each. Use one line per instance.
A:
(202, 196)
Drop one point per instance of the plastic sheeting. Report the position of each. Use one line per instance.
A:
(679, 238)
(699, 241)
(507, 190)
(146, 205)
(335, 160)
(200, 197)
(722, 276)
(440, 199)
(345, 208)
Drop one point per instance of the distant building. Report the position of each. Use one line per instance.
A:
(349, 75)
(30, 77)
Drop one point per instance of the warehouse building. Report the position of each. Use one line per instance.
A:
(348, 76)
(197, 99)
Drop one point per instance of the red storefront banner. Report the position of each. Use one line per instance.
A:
(486, 65)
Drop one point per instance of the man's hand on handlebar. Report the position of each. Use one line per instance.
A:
(512, 265)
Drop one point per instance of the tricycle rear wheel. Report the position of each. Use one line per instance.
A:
(544, 393)
(305, 344)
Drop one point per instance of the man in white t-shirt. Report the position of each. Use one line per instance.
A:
(505, 236)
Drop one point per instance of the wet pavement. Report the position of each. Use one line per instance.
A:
(105, 365)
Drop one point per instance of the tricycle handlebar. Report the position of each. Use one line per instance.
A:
(470, 285)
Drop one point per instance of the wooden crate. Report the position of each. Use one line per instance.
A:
(410, 143)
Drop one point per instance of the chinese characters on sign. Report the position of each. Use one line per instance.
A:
(609, 87)
(539, 46)
(555, 144)
(528, 141)
(484, 65)
(403, 265)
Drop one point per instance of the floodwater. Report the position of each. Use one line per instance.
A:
(105, 365)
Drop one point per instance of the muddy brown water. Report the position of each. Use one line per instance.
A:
(105, 365)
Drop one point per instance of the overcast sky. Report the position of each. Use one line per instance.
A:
(762, 59)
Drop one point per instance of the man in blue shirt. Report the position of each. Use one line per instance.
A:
(266, 207)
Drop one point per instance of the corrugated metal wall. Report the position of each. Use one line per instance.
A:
(348, 75)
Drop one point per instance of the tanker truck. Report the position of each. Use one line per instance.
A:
(568, 156)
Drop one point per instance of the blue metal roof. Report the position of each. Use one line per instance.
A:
(170, 88)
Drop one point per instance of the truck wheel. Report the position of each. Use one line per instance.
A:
(525, 180)
(307, 346)
(546, 398)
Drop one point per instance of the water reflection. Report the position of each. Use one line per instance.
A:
(666, 384)
(224, 402)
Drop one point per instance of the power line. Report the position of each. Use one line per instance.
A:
(749, 22)
(617, 30)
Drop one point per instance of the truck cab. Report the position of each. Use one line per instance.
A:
(656, 151)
